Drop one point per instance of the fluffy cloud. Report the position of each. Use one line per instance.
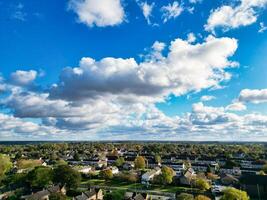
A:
(230, 17)
(186, 68)
(253, 96)
(98, 13)
(263, 28)
(207, 98)
(23, 78)
(191, 37)
(236, 106)
(171, 11)
(114, 98)
(147, 10)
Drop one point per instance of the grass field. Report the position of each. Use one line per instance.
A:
(138, 186)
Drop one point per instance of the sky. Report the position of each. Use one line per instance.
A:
(190, 70)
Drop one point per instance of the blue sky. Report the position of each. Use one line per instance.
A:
(128, 69)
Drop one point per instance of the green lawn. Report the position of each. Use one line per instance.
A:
(132, 186)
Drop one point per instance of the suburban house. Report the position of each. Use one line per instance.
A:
(92, 194)
(83, 169)
(234, 171)
(187, 177)
(44, 194)
(228, 179)
(136, 196)
(148, 176)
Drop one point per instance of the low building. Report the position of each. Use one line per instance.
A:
(187, 177)
(92, 194)
(136, 196)
(148, 176)
(44, 194)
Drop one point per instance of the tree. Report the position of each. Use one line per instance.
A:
(139, 162)
(166, 175)
(119, 162)
(5, 165)
(157, 158)
(106, 174)
(234, 194)
(185, 196)
(57, 196)
(202, 197)
(202, 184)
(40, 177)
(265, 168)
(65, 175)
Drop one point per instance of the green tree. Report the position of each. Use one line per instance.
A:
(157, 158)
(65, 175)
(202, 197)
(166, 175)
(40, 177)
(5, 165)
(234, 194)
(185, 196)
(106, 174)
(57, 196)
(119, 162)
(265, 168)
(139, 162)
(202, 184)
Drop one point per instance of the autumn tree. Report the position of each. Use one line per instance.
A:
(119, 162)
(234, 194)
(139, 162)
(202, 197)
(106, 174)
(166, 175)
(185, 196)
(5, 165)
(202, 184)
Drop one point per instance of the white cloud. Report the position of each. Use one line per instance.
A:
(195, 1)
(253, 96)
(186, 68)
(236, 106)
(231, 17)
(23, 78)
(147, 10)
(262, 28)
(171, 11)
(98, 13)
(191, 37)
(114, 98)
(207, 98)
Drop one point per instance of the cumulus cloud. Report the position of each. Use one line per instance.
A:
(253, 96)
(207, 98)
(231, 17)
(171, 11)
(115, 98)
(23, 78)
(191, 37)
(147, 10)
(98, 13)
(186, 68)
(236, 106)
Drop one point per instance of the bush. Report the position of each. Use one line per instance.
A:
(185, 196)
